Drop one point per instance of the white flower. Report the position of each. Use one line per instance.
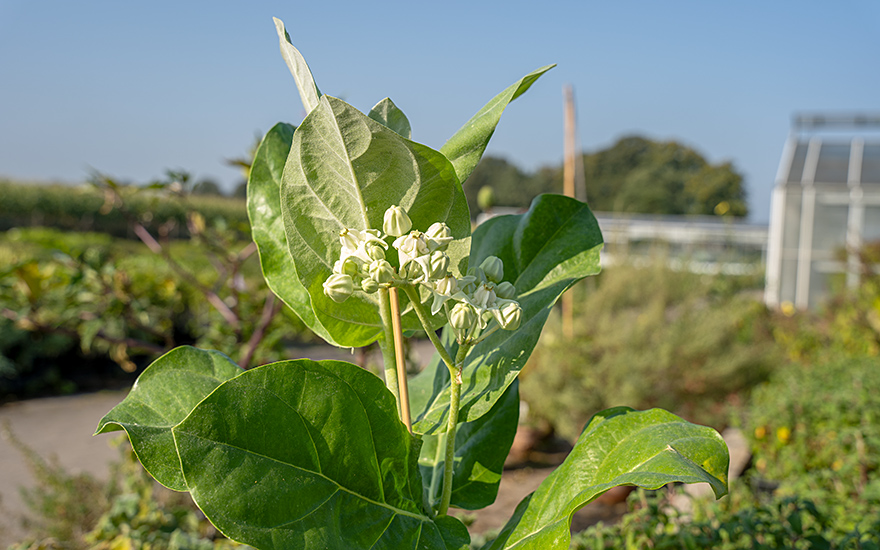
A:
(410, 246)
(396, 222)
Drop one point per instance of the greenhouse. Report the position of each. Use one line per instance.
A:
(825, 207)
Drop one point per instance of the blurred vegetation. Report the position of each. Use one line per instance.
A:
(635, 175)
(130, 511)
(95, 208)
(652, 337)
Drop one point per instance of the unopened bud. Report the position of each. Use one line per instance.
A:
(493, 267)
(505, 290)
(381, 271)
(509, 316)
(462, 316)
(438, 236)
(369, 286)
(375, 252)
(439, 265)
(347, 266)
(338, 287)
(396, 222)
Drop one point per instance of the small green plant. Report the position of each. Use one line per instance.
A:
(366, 235)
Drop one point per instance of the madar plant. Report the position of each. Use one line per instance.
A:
(366, 235)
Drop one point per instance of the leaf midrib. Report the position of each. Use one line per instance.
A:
(340, 487)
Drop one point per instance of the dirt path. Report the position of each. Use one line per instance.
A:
(56, 426)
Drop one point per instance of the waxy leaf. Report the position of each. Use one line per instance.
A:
(481, 447)
(163, 395)
(465, 148)
(344, 170)
(267, 229)
(546, 250)
(387, 113)
(619, 446)
(305, 83)
(306, 454)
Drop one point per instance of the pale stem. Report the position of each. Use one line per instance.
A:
(386, 343)
(454, 402)
(401, 360)
(413, 294)
(435, 472)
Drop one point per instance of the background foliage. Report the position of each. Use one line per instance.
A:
(635, 175)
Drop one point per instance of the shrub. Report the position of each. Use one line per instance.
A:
(651, 337)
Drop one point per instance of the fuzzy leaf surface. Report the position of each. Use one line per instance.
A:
(163, 395)
(618, 446)
(305, 82)
(387, 113)
(481, 447)
(344, 170)
(306, 454)
(545, 251)
(267, 227)
(465, 148)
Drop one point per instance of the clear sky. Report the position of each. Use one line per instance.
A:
(134, 88)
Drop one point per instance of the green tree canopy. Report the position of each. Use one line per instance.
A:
(636, 175)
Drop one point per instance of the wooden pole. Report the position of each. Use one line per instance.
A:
(400, 359)
(568, 177)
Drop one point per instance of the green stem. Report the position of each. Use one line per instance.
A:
(386, 343)
(413, 294)
(454, 402)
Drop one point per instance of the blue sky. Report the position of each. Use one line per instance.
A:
(134, 88)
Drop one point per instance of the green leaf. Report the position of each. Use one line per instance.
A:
(387, 113)
(465, 148)
(306, 454)
(305, 83)
(546, 250)
(344, 171)
(163, 395)
(619, 446)
(267, 229)
(481, 447)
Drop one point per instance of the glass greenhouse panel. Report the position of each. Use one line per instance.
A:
(833, 164)
(829, 229)
(796, 170)
(871, 163)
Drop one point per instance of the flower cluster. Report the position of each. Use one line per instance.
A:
(472, 302)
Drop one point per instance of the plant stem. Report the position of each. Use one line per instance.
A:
(386, 343)
(400, 359)
(454, 402)
(413, 294)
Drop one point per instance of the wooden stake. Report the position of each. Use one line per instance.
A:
(400, 359)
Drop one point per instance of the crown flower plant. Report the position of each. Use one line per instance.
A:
(366, 236)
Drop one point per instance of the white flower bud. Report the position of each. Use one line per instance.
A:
(375, 252)
(369, 286)
(381, 271)
(505, 290)
(338, 287)
(439, 265)
(348, 266)
(438, 236)
(447, 286)
(410, 247)
(509, 316)
(493, 267)
(462, 316)
(396, 222)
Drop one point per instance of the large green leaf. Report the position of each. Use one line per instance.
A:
(544, 251)
(267, 228)
(163, 395)
(387, 113)
(305, 454)
(305, 83)
(344, 171)
(481, 447)
(465, 148)
(617, 447)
